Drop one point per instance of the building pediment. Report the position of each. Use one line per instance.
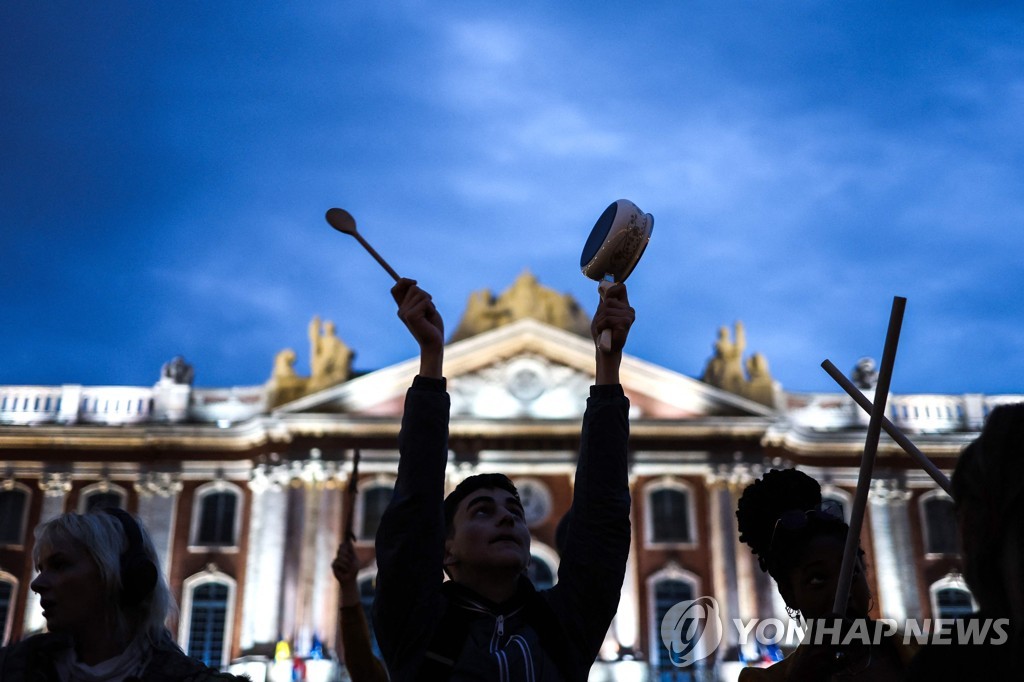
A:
(532, 370)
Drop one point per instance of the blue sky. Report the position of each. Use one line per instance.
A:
(165, 168)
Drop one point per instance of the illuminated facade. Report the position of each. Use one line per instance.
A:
(243, 488)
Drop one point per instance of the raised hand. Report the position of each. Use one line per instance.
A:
(416, 310)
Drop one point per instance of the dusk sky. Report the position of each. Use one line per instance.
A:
(165, 168)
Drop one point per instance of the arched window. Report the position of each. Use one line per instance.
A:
(8, 593)
(950, 598)
(543, 568)
(373, 500)
(665, 589)
(952, 602)
(216, 515)
(938, 519)
(207, 617)
(102, 495)
(669, 513)
(14, 499)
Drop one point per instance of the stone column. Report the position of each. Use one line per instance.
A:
(261, 615)
(746, 583)
(158, 501)
(721, 512)
(895, 571)
(325, 587)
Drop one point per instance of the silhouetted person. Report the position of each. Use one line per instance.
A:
(360, 662)
(988, 494)
(488, 622)
(799, 541)
(105, 602)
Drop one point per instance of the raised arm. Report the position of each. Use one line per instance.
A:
(593, 564)
(355, 633)
(410, 537)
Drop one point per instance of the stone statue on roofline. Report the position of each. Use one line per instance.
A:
(330, 363)
(177, 371)
(330, 358)
(865, 376)
(525, 298)
(726, 369)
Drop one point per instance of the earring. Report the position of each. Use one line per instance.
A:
(793, 613)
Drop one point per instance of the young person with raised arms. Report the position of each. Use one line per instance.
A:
(488, 621)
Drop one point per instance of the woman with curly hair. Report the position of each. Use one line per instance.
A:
(799, 541)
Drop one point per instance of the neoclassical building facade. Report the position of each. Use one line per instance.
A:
(243, 488)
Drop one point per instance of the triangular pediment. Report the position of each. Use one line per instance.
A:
(528, 369)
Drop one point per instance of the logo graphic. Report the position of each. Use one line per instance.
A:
(692, 630)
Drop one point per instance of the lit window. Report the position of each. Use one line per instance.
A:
(102, 501)
(953, 602)
(215, 515)
(666, 592)
(208, 622)
(669, 515)
(103, 495)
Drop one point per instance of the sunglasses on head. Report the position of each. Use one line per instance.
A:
(795, 519)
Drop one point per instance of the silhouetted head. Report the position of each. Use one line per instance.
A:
(799, 541)
(988, 491)
(100, 569)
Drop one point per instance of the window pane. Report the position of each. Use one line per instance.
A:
(107, 500)
(953, 602)
(670, 515)
(941, 527)
(375, 501)
(667, 593)
(217, 519)
(12, 516)
(207, 624)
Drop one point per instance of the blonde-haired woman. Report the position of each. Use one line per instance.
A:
(105, 602)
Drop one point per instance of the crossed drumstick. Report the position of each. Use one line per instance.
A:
(877, 422)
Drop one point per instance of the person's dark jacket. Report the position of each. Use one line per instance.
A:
(423, 624)
(32, 660)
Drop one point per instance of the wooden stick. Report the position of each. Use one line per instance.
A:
(350, 500)
(867, 461)
(373, 252)
(940, 478)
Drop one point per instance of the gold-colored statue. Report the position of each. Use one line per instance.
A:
(725, 369)
(525, 298)
(330, 359)
(330, 363)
